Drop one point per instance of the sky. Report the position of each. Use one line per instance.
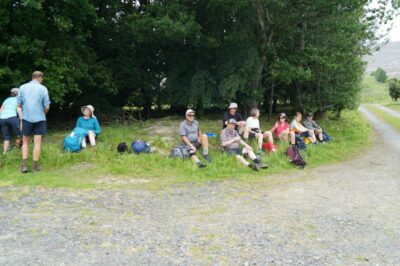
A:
(394, 34)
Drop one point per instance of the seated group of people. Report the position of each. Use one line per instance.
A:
(234, 127)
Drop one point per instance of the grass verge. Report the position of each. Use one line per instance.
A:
(386, 117)
(104, 167)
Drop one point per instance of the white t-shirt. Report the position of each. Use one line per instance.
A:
(252, 122)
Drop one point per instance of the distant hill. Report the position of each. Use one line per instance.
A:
(388, 58)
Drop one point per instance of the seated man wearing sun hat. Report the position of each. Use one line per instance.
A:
(89, 122)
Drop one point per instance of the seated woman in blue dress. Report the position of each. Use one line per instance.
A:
(89, 122)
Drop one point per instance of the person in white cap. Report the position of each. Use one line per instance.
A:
(10, 119)
(193, 139)
(240, 123)
(89, 122)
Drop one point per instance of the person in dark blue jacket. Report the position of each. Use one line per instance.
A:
(89, 122)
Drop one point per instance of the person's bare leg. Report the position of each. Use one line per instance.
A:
(25, 154)
(284, 136)
(242, 160)
(25, 147)
(37, 141)
(6, 146)
(204, 141)
(250, 152)
(84, 143)
(320, 135)
(313, 139)
(245, 131)
(292, 138)
(268, 135)
(92, 138)
(260, 139)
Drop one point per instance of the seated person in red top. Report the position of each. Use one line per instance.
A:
(282, 130)
(240, 123)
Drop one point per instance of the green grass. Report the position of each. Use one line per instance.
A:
(104, 167)
(394, 105)
(386, 117)
(374, 92)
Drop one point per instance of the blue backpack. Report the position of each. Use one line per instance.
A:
(300, 143)
(327, 137)
(139, 146)
(73, 142)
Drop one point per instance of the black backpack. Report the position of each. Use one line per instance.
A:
(295, 156)
(122, 147)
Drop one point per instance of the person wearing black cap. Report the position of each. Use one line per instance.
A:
(231, 142)
(312, 125)
(240, 125)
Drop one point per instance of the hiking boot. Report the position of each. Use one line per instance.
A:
(207, 158)
(201, 165)
(253, 166)
(261, 166)
(24, 166)
(35, 167)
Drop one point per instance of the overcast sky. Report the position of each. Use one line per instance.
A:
(394, 34)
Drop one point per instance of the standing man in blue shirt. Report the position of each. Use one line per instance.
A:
(33, 100)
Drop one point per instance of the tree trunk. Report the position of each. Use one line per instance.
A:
(271, 101)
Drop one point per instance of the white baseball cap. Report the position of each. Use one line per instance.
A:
(233, 106)
(14, 91)
(190, 111)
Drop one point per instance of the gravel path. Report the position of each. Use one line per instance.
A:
(388, 110)
(343, 214)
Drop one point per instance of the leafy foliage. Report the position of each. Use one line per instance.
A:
(202, 54)
(380, 75)
(394, 88)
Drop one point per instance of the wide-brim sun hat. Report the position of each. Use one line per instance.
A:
(233, 106)
(90, 107)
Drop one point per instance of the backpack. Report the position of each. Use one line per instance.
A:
(122, 147)
(300, 143)
(73, 142)
(269, 147)
(326, 136)
(180, 152)
(295, 156)
(139, 146)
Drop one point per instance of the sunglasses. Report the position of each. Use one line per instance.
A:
(190, 115)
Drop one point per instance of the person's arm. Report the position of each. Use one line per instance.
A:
(19, 112)
(187, 142)
(2, 108)
(274, 128)
(315, 125)
(229, 142)
(97, 129)
(46, 101)
(226, 118)
(245, 144)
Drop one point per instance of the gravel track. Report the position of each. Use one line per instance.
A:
(342, 214)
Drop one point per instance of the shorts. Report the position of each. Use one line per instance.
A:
(36, 128)
(189, 149)
(305, 134)
(253, 135)
(234, 151)
(8, 125)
